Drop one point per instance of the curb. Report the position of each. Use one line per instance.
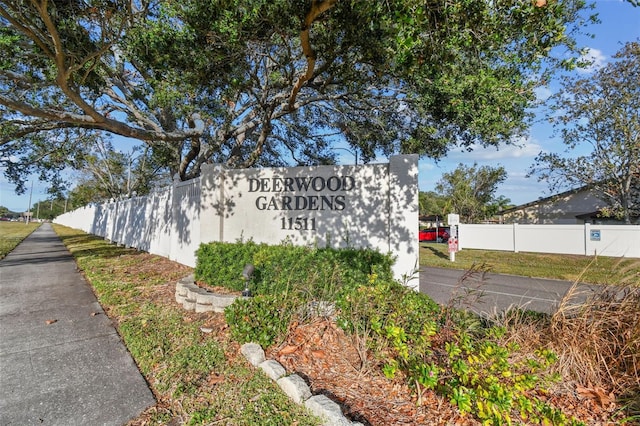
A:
(194, 298)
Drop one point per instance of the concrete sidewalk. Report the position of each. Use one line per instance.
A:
(61, 360)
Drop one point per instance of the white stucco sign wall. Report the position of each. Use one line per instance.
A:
(368, 206)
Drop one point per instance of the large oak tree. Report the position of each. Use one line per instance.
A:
(269, 82)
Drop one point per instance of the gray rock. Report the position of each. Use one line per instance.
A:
(181, 289)
(189, 304)
(327, 410)
(203, 308)
(253, 353)
(189, 279)
(193, 291)
(273, 369)
(217, 300)
(295, 388)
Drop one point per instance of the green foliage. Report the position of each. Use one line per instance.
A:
(287, 268)
(600, 112)
(434, 348)
(286, 278)
(108, 173)
(261, 319)
(225, 81)
(49, 209)
(431, 203)
(470, 191)
(221, 264)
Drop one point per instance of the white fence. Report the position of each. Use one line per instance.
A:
(368, 206)
(587, 239)
(154, 223)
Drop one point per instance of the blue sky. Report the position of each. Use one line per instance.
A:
(620, 23)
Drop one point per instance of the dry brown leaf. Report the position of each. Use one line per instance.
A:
(214, 379)
(289, 349)
(318, 354)
(596, 393)
(51, 321)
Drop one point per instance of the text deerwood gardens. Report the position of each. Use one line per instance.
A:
(333, 198)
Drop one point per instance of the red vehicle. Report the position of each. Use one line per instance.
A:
(429, 234)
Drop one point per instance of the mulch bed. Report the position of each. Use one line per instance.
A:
(332, 364)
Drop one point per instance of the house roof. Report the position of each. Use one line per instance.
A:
(546, 199)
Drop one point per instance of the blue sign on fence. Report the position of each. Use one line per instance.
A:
(595, 235)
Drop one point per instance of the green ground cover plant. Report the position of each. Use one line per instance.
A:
(433, 348)
(12, 234)
(589, 269)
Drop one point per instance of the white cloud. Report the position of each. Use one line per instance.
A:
(595, 58)
(525, 148)
(543, 93)
(424, 166)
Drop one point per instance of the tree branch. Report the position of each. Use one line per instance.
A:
(318, 7)
(87, 122)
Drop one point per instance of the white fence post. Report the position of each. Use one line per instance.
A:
(587, 238)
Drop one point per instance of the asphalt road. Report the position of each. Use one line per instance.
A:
(491, 293)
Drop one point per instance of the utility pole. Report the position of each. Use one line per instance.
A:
(29, 209)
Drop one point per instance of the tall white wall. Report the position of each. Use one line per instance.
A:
(367, 206)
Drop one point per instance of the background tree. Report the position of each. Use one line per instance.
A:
(470, 191)
(601, 112)
(431, 203)
(109, 173)
(248, 82)
(49, 209)
(497, 205)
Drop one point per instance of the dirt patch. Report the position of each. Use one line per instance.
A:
(218, 289)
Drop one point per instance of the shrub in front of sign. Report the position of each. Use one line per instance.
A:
(221, 264)
(261, 319)
(284, 268)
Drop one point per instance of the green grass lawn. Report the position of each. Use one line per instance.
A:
(12, 233)
(591, 269)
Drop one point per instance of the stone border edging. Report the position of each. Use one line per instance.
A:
(296, 388)
(194, 298)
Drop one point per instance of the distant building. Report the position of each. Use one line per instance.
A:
(577, 206)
